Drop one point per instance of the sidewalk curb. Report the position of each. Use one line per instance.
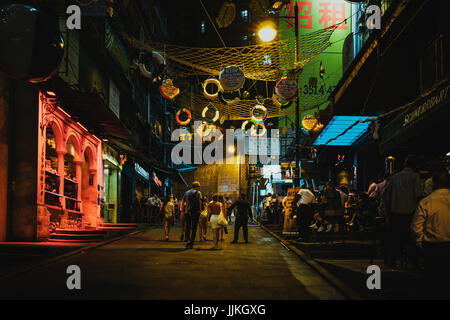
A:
(333, 280)
(70, 253)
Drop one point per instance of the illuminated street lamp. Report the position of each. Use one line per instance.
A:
(231, 149)
(267, 33)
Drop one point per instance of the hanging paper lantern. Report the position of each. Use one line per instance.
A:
(286, 89)
(168, 90)
(284, 130)
(185, 122)
(309, 122)
(258, 107)
(152, 64)
(212, 108)
(32, 47)
(214, 82)
(230, 102)
(231, 78)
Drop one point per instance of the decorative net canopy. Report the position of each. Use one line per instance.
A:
(265, 61)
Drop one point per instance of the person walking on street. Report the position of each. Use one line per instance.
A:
(215, 207)
(431, 227)
(193, 204)
(158, 209)
(401, 196)
(169, 215)
(223, 229)
(203, 222)
(243, 212)
(268, 207)
(302, 208)
(228, 203)
(181, 205)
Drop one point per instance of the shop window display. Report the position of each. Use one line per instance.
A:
(70, 182)
(52, 196)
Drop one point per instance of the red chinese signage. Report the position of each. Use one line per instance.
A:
(330, 14)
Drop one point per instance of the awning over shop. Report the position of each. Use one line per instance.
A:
(91, 110)
(337, 132)
(428, 113)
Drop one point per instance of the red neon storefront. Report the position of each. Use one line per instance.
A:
(70, 171)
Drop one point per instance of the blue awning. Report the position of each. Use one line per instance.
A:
(337, 125)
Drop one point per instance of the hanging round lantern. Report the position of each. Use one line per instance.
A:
(230, 102)
(280, 104)
(284, 130)
(286, 89)
(168, 90)
(258, 107)
(214, 82)
(309, 122)
(32, 45)
(152, 64)
(254, 129)
(244, 125)
(185, 122)
(212, 108)
(231, 78)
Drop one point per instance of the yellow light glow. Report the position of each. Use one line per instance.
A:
(231, 149)
(267, 34)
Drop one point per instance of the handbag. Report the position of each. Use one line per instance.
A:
(222, 221)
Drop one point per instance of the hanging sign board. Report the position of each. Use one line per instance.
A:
(231, 78)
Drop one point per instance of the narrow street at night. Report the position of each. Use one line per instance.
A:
(136, 134)
(144, 266)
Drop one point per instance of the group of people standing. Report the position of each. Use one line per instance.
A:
(415, 214)
(196, 212)
(273, 208)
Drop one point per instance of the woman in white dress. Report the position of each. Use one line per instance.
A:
(214, 209)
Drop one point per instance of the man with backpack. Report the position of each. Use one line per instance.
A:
(193, 200)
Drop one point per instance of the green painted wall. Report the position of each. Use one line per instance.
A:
(316, 15)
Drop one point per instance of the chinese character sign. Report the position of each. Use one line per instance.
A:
(326, 13)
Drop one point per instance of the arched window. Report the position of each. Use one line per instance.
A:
(52, 196)
(70, 178)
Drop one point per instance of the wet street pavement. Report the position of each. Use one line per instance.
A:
(144, 266)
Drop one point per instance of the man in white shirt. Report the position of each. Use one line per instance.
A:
(302, 209)
(431, 227)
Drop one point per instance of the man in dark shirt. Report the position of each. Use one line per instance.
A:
(193, 200)
(244, 211)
